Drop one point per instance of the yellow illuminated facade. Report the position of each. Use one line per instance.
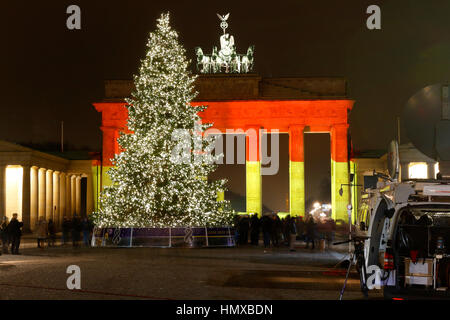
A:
(339, 176)
(355, 189)
(297, 188)
(253, 187)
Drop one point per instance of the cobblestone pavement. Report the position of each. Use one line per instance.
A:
(152, 273)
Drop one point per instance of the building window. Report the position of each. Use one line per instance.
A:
(418, 170)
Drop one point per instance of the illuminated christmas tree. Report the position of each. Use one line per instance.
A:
(150, 188)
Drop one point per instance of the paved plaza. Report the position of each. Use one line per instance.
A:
(153, 273)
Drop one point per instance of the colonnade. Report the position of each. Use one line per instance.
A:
(45, 193)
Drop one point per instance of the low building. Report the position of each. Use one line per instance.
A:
(413, 165)
(37, 184)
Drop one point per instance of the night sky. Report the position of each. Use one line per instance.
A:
(51, 74)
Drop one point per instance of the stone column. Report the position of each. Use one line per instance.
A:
(339, 172)
(296, 171)
(56, 204)
(68, 196)
(42, 192)
(34, 201)
(49, 195)
(89, 196)
(110, 144)
(2, 190)
(78, 196)
(73, 196)
(62, 197)
(253, 171)
(26, 198)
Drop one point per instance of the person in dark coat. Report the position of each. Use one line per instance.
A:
(66, 226)
(51, 233)
(76, 229)
(286, 227)
(266, 224)
(255, 225)
(86, 227)
(274, 230)
(292, 230)
(236, 220)
(277, 229)
(300, 228)
(4, 237)
(15, 233)
(244, 226)
(310, 232)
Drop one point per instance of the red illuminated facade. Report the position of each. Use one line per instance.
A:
(288, 105)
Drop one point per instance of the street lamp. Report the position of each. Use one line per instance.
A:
(349, 211)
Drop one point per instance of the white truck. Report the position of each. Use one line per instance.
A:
(406, 227)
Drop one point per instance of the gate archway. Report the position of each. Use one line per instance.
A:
(250, 103)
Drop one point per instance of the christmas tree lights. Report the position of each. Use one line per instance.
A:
(150, 189)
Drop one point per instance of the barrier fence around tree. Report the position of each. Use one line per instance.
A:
(163, 237)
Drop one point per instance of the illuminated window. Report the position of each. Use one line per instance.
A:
(418, 170)
(436, 169)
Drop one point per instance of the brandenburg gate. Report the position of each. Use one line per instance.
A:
(247, 101)
(240, 100)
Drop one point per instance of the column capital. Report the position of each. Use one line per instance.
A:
(26, 197)
(297, 127)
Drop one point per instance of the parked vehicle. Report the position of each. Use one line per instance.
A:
(407, 251)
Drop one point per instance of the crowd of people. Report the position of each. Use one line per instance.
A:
(276, 231)
(273, 230)
(72, 229)
(46, 232)
(10, 234)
